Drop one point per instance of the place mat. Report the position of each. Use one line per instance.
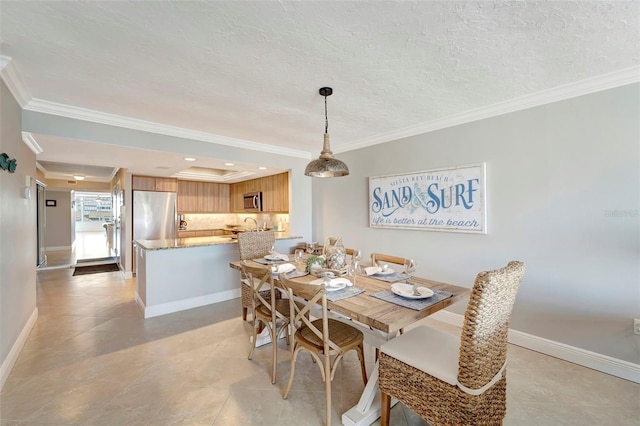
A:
(264, 261)
(391, 278)
(345, 293)
(415, 304)
(292, 274)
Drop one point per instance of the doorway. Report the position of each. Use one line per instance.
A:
(92, 221)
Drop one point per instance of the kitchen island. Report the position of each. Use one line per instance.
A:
(185, 273)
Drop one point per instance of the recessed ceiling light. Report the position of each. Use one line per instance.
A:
(262, 168)
(78, 177)
(229, 164)
(189, 159)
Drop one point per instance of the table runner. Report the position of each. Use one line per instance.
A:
(415, 304)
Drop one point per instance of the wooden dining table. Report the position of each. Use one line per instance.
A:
(380, 321)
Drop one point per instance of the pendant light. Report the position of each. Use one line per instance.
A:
(326, 165)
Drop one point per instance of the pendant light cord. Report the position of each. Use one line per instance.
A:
(326, 120)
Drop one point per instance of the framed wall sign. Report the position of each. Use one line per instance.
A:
(50, 203)
(451, 199)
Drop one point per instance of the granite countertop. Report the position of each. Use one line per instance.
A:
(198, 241)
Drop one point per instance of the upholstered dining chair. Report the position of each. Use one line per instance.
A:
(274, 315)
(456, 381)
(253, 245)
(323, 338)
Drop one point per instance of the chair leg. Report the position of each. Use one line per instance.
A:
(385, 405)
(244, 313)
(294, 355)
(377, 354)
(327, 387)
(255, 337)
(360, 351)
(274, 359)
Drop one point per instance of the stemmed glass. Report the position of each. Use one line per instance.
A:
(299, 254)
(409, 269)
(353, 268)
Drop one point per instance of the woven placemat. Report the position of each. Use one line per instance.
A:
(345, 293)
(264, 261)
(415, 304)
(292, 274)
(391, 278)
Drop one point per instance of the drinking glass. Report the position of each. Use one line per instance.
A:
(272, 250)
(357, 256)
(353, 271)
(311, 247)
(409, 269)
(299, 255)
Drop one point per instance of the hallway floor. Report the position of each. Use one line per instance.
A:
(88, 245)
(91, 359)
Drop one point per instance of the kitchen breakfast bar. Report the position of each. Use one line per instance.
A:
(179, 274)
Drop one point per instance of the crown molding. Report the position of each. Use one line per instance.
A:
(579, 88)
(68, 111)
(11, 79)
(29, 140)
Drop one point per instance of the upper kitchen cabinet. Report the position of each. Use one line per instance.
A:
(202, 197)
(275, 193)
(151, 183)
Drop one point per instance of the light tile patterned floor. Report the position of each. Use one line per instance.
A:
(93, 360)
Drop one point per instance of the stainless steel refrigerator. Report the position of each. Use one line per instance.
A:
(154, 215)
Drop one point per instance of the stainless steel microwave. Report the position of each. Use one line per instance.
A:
(253, 202)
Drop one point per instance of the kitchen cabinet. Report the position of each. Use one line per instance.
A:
(151, 183)
(202, 197)
(275, 193)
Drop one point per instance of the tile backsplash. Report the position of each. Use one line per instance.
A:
(198, 222)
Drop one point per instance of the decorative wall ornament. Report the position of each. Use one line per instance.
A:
(450, 199)
(9, 164)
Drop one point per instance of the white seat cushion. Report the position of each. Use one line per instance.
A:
(427, 349)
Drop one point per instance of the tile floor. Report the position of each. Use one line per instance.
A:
(87, 245)
(91, 359)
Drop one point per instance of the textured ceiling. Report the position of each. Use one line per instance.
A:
(251, 70)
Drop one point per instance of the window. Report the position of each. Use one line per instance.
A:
(93, 207)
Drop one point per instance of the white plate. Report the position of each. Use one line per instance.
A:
(334, 285)
(387, 271)
(406, 290)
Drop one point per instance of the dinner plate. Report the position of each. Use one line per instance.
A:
(334, 285)
(406, 290)
(387, 271)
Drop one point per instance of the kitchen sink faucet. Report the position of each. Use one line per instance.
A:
(254, 221)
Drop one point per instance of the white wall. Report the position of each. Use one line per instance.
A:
(17, 237)
(563, 190)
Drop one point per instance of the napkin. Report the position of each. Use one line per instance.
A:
(284, 267)
(372, 270)
(277, 256)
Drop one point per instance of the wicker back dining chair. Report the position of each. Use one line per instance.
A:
(452, 381)
(253, 245)
(323, 338)
(275, 316)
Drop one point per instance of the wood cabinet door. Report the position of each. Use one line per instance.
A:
(143, 183)
(166, 184)
(206, 196)
(187, 196)
(237, 190)
(221, 204)
(275, 193)
(281, 192)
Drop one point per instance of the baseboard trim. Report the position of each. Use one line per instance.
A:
(603, 363)
(183, 305)
(12, 356)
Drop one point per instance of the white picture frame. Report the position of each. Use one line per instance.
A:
(451, 199)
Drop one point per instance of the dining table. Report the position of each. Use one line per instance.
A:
(380, 320)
